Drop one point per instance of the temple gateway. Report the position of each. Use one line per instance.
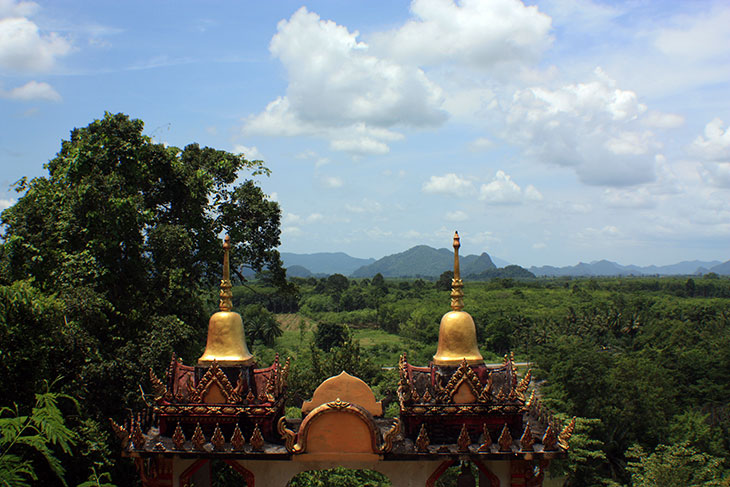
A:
(457, 410)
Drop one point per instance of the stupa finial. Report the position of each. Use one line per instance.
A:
(226, 302)
(457, 296)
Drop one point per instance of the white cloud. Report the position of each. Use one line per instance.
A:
(592, 235)
(11, 8)
(473, 32)
(365, 206)
(290, 231)
(32, 90)
(715, 144)
(539, 246)
(251, 153)
(360, 146)
(339, 90)
(703, 37)
(6, 203)
(448, 184)
(634, 198)
(663, 120)
(331, 182)
(457, 216)
(713, 150)
(292, 219)
(591, 127)
(481, 144)
(23, 47)
(502, 190)
(531, 193)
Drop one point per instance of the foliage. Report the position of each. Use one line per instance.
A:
(40, 433)
(679, 465)
(330, 335)
(108, 265)
(260, 324)
(339, 477)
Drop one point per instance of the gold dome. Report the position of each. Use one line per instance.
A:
(457, 333)
(226, 339)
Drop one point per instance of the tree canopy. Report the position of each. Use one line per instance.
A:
(115, 255)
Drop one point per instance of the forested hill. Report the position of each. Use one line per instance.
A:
(324, 262)
(426, 261)
(608, 268)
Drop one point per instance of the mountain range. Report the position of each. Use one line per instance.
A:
(426, 261)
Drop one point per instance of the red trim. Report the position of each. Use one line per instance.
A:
(245, 473)
(493, 479)
(190, 471)
(431, 482)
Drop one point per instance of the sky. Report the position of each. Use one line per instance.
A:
(546, 133)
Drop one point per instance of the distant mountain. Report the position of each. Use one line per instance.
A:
(426, 261)
(423, 260)
(324, 262)
(722, 269)
(608, 268)
(510, 271)
(298, 271)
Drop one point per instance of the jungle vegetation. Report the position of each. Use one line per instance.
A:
(111, 263)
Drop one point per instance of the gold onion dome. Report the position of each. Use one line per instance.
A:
(457, 333)
(226, 340)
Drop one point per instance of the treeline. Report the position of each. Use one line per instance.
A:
(644, 363)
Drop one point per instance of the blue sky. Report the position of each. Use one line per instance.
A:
(547, 133)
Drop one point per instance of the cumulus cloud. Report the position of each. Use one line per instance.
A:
(251, 153)
(713, 150)
(338, 89)
(473, 32)
(502, 190)
(715, 144)
(448, 184)
(23, 47)
(592, 127)
(32, 90)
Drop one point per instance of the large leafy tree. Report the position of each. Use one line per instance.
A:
(124, 233)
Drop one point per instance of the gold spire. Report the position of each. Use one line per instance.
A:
(457, 333)
(457, 295)
(226, 343)
(226, 302)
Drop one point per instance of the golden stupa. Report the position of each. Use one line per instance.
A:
(226, 340)
(457, 333)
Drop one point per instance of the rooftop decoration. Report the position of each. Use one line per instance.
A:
(457, 408)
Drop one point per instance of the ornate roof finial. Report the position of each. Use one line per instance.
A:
(457, 296)
(226, 302)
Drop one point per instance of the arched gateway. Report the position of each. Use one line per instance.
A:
(456, 409)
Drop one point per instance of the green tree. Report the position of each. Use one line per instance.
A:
(674, 466)
(444, 281)
(40, 432)
(260, 324)
(125, 234)
(329, 335)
